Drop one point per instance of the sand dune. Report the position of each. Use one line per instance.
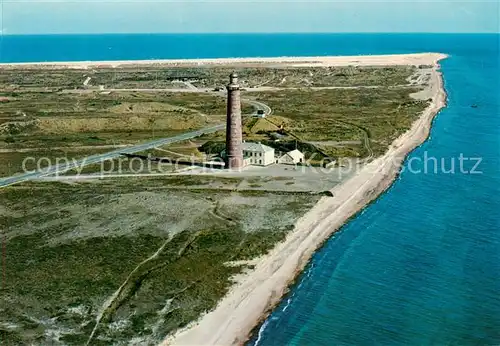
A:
(365, 60)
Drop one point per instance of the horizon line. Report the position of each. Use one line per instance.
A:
(255, 33)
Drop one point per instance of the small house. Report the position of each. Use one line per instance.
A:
(292, 158)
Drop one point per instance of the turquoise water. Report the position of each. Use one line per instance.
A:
(420, 266)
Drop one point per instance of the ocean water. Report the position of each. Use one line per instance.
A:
(421, 265)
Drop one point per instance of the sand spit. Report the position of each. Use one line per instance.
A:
(366, 60)
(257, 292)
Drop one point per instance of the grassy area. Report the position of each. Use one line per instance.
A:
(20, 162)
(363, 121)
(293, 77)
(134, 77)
(69, 247)
(54, 119)
(15, 78)
(75, 140)
(380, 115)
(54, 106)
(50, 116)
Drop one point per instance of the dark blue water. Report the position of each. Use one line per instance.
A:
(421, 265)
(34, 48)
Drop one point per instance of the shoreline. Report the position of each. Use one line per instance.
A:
(256, 293)
(361, 60)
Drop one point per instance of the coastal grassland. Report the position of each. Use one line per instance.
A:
(297, 77)
(361, 120)
(50, 107)
(339, 123)
(39, 158)
(73, 141)
(16, 78)
(76, 119)
(157, 77)
(69, 247)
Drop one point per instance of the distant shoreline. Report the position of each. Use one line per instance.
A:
(361, 60)
(254, 296)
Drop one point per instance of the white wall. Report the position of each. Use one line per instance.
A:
(266, 159)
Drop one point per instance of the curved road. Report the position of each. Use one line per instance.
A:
(259, 106)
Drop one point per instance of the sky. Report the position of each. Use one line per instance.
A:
(209, 16)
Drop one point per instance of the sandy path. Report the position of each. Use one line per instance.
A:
(256, 293)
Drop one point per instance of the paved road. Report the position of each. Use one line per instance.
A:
(116, 153)
(259, 106)
(107, 156)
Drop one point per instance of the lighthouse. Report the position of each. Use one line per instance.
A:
(234, 136)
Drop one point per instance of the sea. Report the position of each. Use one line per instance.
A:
(420, 265)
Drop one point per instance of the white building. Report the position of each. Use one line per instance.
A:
(292, 158)
(258, 154)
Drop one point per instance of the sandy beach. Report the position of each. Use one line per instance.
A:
(258, 291)
(366, 60)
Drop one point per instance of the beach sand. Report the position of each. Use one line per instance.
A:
(257, 292)
(367, 60)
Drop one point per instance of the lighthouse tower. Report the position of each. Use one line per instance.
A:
(234, 136)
